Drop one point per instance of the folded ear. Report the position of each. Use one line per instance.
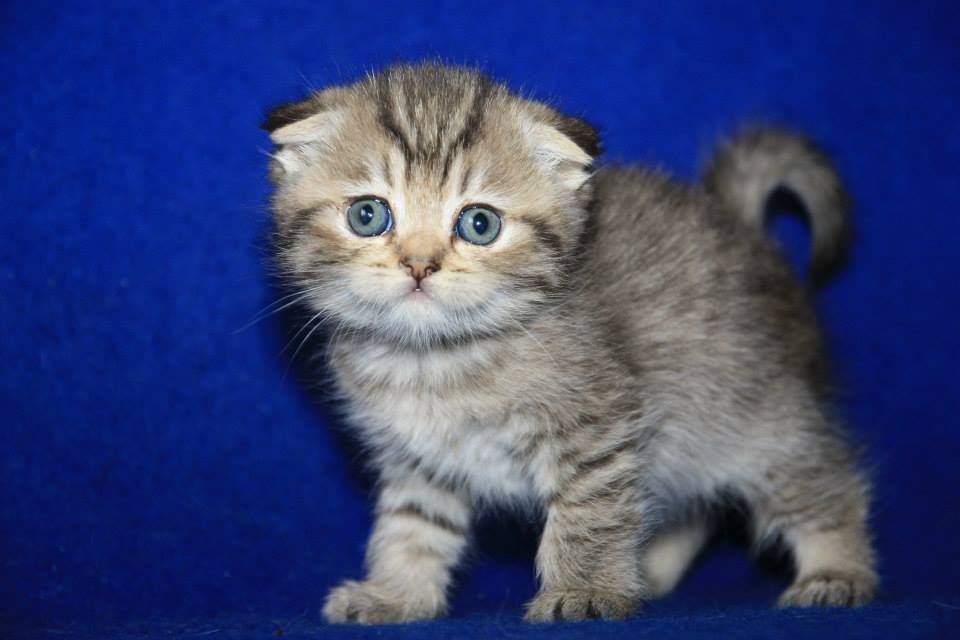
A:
(581, 132)
(300, 130)
(289, 113)
(566, 146)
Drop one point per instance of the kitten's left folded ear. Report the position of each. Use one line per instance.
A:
(566, 146)
(581, 132)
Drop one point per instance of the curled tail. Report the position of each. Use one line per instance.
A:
(746, 170)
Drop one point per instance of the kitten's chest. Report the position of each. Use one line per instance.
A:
(447, 410)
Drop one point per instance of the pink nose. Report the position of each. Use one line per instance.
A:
(420, 267)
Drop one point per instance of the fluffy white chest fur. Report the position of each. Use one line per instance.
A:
(436, 408)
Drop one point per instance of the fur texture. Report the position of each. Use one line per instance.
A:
(626, 353)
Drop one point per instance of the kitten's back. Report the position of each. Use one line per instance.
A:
(687, 284)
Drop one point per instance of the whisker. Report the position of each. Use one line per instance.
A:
(266, 312)
(299, 331)
(302, 342)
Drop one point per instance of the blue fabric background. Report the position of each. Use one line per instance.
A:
(159, 472)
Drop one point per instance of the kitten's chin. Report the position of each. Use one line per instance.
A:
(435, 314)
(419, 308)
(420, 319)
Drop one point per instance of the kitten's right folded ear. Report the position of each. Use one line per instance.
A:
(300, 130)
(289, 113)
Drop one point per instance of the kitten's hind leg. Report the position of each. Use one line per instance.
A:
(820, 512)
(834, 569)
(668, 555)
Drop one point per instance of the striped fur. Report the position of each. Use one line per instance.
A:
(627, 353)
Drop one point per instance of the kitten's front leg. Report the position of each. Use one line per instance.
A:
(588, 559)
(420, 534)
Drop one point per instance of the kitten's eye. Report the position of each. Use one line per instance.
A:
(369, 217)
(478, 225)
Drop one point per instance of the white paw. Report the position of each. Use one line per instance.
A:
(578, 604)
(830, 589)
(372, 603)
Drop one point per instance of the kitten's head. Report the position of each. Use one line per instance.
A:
(428, 204)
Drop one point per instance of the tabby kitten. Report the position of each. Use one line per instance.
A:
(609, 347)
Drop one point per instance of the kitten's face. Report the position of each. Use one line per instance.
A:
(427, 204)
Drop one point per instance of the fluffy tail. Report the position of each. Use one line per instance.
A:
(751, 167)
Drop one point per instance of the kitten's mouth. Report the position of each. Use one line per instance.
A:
(416, 294)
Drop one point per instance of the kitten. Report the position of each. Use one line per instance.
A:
(612, 348)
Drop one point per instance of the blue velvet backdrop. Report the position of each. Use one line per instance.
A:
(160, 474)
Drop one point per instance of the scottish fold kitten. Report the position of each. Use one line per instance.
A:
(612, 349)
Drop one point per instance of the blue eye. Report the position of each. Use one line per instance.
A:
(478, 225)
(369, 217)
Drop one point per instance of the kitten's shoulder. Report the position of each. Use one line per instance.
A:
(649, 226)
(618, 180)
(628, 198)
(632, 191)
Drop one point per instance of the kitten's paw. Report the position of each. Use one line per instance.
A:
(579, 604)
(830, 589)
(372, 603)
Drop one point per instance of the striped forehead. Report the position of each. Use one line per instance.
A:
(430, 128)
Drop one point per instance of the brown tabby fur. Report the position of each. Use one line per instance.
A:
(629, 351)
